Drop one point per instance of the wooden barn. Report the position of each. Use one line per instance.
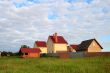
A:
(30, 52)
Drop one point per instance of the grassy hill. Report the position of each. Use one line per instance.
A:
(55, 65)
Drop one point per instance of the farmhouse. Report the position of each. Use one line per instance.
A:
(42, 46)
(30, 52)
(72, 48)
(91, 45)
(56, 44)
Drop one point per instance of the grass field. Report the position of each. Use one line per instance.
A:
(55, 65)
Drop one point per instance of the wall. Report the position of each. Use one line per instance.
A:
(43, 49)
(94, 47)
(31, 55)
(60, 47)
(35, 45)
(93, 54)
(79, 54)
(34, 55)
(64, 55)
(89, 54)
(50, 47)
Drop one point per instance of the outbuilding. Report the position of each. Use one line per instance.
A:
(30, 52)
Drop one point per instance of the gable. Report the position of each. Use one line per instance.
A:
(49, 40)
(94, 45)
(35, 45)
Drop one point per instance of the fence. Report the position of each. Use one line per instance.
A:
(93, 54)
(78, 54)
(52, 55)
(64, 55)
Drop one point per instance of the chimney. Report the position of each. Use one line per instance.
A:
(55, 37)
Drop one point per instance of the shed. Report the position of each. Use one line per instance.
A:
(30, 52)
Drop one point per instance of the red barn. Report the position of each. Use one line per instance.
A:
(30, 52)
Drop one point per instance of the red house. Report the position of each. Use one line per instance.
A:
(30, 52)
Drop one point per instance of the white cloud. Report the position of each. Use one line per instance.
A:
(76, 21)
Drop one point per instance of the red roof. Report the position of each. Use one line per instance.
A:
(74, 46)
(41, 43)
(60, 39)
(30, 50)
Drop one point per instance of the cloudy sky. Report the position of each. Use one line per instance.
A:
(25, 21)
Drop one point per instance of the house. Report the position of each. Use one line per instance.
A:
(30, 52)
(56, 44)
(72, 48)
(42, 46)
(91, 45)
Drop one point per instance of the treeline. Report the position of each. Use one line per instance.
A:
(4, 53)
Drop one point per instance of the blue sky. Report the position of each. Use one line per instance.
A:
(25, 21)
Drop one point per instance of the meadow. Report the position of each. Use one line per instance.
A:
(55, 65)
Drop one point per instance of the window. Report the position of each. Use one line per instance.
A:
(26, 53)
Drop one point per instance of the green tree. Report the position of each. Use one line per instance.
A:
(24, 46)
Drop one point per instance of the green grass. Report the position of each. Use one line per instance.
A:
(55, 65)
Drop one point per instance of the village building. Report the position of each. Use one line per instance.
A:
(72, 48)
(91, 45)
(56, 43)
(42, 46)
(30, 52)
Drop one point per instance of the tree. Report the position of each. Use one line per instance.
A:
(10, 53)
(24, 46)
(16, 53)
(4, 53)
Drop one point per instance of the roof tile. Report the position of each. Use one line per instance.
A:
(41, 43)
(60, 39)
(74, 46)
(30, 50)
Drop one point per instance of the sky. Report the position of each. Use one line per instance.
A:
(26, 21)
